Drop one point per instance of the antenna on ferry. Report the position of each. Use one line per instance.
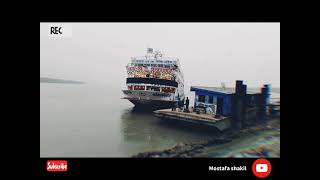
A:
(223, 85)
(150, 50)
(156, 54)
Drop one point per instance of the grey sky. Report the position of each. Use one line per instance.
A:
(209, 53)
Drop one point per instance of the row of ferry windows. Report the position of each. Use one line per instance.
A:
(153, 88)
(155, 65)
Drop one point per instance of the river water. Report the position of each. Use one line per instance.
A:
(91, 120)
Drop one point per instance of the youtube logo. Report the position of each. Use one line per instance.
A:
(261, 168)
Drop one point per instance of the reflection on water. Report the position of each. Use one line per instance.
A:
(93, 121)
(153, 133)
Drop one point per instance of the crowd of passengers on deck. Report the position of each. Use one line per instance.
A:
(153, 88)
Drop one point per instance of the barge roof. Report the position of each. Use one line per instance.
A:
(227, 90)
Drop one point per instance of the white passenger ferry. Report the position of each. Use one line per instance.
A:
(154, 81)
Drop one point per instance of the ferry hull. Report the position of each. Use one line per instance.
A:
(152, 104)
(149, 99)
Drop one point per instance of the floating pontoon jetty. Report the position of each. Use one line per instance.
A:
(221, 123)
(225, 108)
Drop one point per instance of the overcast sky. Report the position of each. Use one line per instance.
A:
(209, 53)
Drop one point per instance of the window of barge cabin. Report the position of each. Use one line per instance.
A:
(250, 100)
(201, 98)
(153, 65)
(210, 101)
(148, 88)
(167, 66)
(160, 65)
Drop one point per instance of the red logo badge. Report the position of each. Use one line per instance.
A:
(57, 165)
(261, 168)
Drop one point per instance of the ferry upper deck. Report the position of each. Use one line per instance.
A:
(155, 61)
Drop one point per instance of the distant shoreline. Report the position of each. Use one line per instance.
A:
(53, 80)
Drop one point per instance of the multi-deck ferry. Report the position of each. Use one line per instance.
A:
(154, 81)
